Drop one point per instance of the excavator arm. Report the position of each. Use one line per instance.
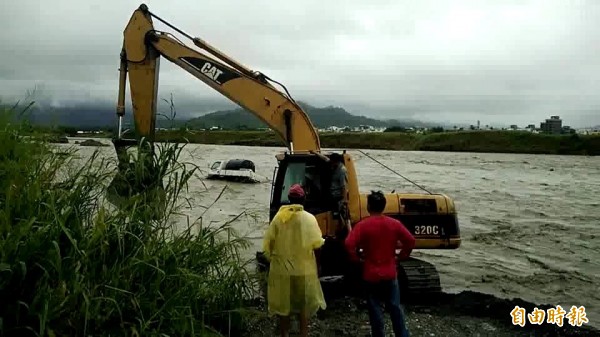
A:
(140, 58)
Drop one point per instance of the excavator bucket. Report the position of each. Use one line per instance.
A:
(138, 180)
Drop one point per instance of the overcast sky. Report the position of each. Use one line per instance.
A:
(459, 61)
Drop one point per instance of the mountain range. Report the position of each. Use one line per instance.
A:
(103, 116)
(321, 118)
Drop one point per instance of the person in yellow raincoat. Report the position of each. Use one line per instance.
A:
(289, 244)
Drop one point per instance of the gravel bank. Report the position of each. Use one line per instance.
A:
(464, 314)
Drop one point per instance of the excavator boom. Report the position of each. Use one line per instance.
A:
(142, 47)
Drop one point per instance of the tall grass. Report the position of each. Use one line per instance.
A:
(72, 265)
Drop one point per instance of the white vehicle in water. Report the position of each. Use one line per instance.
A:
(240, 170)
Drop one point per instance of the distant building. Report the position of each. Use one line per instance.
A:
(568, 129)
(361, 128)
(589, 131)
(552, 125)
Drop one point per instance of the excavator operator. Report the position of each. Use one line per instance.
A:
(337, 188)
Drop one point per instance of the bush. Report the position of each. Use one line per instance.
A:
(72, 265)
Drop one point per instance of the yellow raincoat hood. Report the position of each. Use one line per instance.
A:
(287, 212)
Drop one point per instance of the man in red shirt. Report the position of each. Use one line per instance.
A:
(378, 236)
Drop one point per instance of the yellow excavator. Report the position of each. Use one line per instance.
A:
(431, 218)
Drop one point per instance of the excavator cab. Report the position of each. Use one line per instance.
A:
(314, 175)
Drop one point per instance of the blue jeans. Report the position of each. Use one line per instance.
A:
(385, 292)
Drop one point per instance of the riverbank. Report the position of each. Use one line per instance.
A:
(452, 315)
(464, 141)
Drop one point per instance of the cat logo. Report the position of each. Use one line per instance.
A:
(211, 72)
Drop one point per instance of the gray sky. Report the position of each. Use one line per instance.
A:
(457, 61)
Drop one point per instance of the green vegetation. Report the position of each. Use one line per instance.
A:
(463, 141)
(71, 265)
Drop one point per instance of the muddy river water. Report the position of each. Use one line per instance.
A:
(530, 224)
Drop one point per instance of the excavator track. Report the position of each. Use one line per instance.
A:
(419, 281)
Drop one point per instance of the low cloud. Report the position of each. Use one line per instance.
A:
(494, 61)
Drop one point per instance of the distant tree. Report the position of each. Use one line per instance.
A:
(70, 131)
(395, 129)
(437, 129)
